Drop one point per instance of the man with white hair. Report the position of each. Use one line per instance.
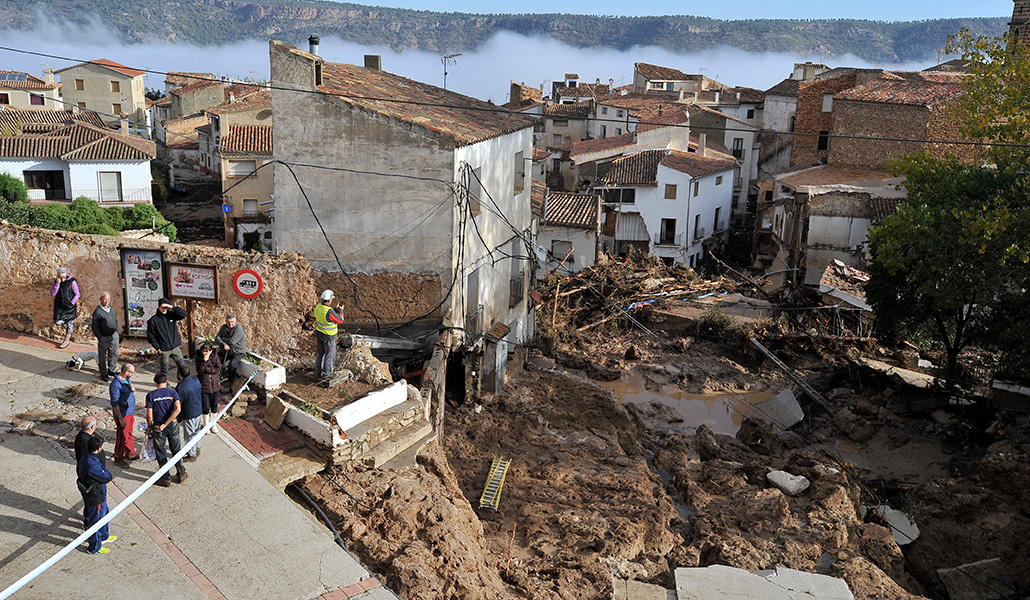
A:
(87, 429)
(105, 328)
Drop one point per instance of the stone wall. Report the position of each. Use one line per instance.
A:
(810, 119)
(30, 257)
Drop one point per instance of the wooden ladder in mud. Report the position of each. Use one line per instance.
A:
(494, 482)
(801, 383)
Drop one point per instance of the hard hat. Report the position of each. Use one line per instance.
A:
(328, 295)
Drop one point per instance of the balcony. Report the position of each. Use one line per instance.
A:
(108, 196)
(517, 289)
(699, 234)
(668, 240)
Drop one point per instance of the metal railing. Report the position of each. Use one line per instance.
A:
(668, 240)
(130, 195)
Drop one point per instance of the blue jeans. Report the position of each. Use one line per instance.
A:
(90, 516)
(171, 433)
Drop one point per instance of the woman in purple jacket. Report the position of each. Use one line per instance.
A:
(209, 371)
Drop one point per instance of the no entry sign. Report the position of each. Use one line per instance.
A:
(247, 283)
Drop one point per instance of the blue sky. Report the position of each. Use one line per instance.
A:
(880, 10)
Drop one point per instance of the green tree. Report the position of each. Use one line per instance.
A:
(13, 189)
(953, 262)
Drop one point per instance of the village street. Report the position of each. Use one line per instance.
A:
(224, 533)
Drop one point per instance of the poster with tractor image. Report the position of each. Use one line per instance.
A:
(143, 283)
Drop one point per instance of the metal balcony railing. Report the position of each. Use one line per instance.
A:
(668, 240)
(126, 195)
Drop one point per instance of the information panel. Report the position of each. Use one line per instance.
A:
(144, 284)
(199, 282)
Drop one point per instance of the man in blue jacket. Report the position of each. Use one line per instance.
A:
(189, 416)
(92, 480)
(123, 407)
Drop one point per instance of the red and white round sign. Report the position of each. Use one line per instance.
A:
(247, 283)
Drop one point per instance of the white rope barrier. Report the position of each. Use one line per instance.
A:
(128, 500)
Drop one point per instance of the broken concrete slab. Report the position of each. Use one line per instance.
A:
(631, 589)
(719, 582)
(799, 584)
(792, 485)
(913, 378)
(782, 411)
(966, 582)
(902, 525)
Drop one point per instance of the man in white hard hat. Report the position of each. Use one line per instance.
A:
(327, 322)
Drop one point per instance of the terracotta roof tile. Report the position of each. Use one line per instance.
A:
(256, 100)
(712, 111)
(248, 139)
(14, 120)
(579, 110)
(636, 101)
(787, 87)
(523, 106)
(582, 90)
(238, 91)
(914, 93)
(662, 115)
(194, 87)
(748, 95)
(695, 165)
(186, 78)
(110, 64)
(31, 82)
(572, 210)
(466, 119)
(591, 146)
(640, 168)
(540, 154)
(655, 72)
(571, 76)
(77, 141)
(537, 197)
(164, 101)
(882, 208)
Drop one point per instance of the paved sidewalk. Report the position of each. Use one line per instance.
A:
(224, 533)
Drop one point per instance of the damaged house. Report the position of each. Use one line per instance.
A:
(412, 180)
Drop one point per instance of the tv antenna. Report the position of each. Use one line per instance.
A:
(448, 60)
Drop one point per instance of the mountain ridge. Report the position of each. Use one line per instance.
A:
(229, 21)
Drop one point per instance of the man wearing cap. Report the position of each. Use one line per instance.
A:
(234, 345)
(65, 291)
(105, 328)
(163, 333)
(327, 322)
(92, 479)
(163, 407)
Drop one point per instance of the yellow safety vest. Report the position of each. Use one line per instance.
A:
(322, 323)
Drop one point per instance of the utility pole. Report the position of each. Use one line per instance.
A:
(448, 60)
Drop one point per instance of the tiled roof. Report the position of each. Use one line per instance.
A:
(787, 87)
(640, 168)
(710, 145)
(540, 154)
(882, 208)
(537, 197)
(523, 106)
(662, 115)
(185, 78)
(260, 99)
(238, 91)
(248, 139)
(913, 93)
(582, 90)
(712, 111)
(164, 101)
(749, 95)
(655, 72)
(830, 175)
(571, 76)
(77, 141)
(695, 165)
(635, 101)
(31, 82)
(15, 120)
(571, 210)
(591, 146)
(193, 87)
(466, 119)
(579, 110)
(110, 64)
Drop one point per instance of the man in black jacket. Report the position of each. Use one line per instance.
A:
(88, 430)
(105, 328)
(163, 333)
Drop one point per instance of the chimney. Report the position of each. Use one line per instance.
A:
(313, 45)
(374, 62)
(738, 97)
(123, 123)
(48, 76)
(232, 98)
(681, 95)
(695, 97)
(717, 96)
(702, 145)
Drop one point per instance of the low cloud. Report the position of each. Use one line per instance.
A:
(484, 73)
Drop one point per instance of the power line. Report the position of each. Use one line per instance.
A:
(502, 110)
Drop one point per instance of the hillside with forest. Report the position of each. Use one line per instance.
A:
(213, 22)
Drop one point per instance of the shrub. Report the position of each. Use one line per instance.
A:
(13, 189)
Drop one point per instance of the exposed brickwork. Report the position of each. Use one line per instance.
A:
(881, 120)
(810, 118)
(257, 437)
